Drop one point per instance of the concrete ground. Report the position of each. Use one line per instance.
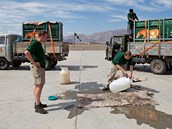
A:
(88, 73)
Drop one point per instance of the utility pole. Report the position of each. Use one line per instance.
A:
(75, 35)
(74, 39)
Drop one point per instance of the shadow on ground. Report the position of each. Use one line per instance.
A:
(84, 88)
(76, 67)
(22, 67)
(57, 67)
(146, 68)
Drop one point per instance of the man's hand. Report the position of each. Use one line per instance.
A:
(129, 76)
(37, 64)
(126, 74)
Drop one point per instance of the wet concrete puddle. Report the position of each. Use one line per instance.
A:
(146, 115)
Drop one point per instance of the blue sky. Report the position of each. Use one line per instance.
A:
(79, 16)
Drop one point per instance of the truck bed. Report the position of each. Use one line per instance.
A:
(59, 47)
(155, 48)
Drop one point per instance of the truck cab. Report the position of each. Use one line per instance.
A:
(6, 49)
(116, 44)
(12, 49)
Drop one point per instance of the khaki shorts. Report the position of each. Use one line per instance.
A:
(38, 74)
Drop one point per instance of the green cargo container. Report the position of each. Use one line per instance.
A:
(56, 30)
(153, 30)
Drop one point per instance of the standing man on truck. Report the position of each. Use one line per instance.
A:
(131, 18)
(35, 54)
(119, 62)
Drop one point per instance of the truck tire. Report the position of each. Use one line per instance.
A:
(4, 64)
(158, 66)
(48, 64)
(54, 63)
(114, 52)
(107, 54)
(16, 64)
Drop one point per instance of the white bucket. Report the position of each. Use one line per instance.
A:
(120, 84)
(64, 76)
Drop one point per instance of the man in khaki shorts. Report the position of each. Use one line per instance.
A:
(35, 54)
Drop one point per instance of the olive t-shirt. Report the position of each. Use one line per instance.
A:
(120, 59)
(132, 16)
(37, 52)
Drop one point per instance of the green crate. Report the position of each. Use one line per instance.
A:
(26, 32)
(168, 22)
(158, 29)
(140, 24)
(168, 31)
(28, 27)
(155, 23)
(56, 30)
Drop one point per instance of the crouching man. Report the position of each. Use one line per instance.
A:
(119, 62)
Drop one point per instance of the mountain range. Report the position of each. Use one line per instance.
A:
(99, 37)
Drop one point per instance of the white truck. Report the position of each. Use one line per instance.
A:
(12, 47)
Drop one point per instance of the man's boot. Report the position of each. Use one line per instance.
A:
(42, 105)
(40, 110)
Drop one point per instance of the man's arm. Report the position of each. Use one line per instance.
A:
(131, 71)
(29, 57)
(131, 19)
(136, 17)
(120, 68)
(124, 72)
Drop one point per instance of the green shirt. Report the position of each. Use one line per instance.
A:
(132, 16)
(120, 59)
(37, 52)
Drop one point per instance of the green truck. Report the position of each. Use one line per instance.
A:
(151, 43)
(12, 46)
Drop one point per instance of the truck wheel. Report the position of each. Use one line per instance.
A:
(16, 64)
(170, 67)
(48, 63)
(158, 66)
(4, 64)
(107, 54)
(54, 63)
(114, 53)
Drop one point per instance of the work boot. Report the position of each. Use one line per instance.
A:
(39, 109)
(42, 105)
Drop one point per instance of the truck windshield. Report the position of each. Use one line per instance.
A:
(2, 39)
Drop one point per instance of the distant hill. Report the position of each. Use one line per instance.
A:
(100, 37)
